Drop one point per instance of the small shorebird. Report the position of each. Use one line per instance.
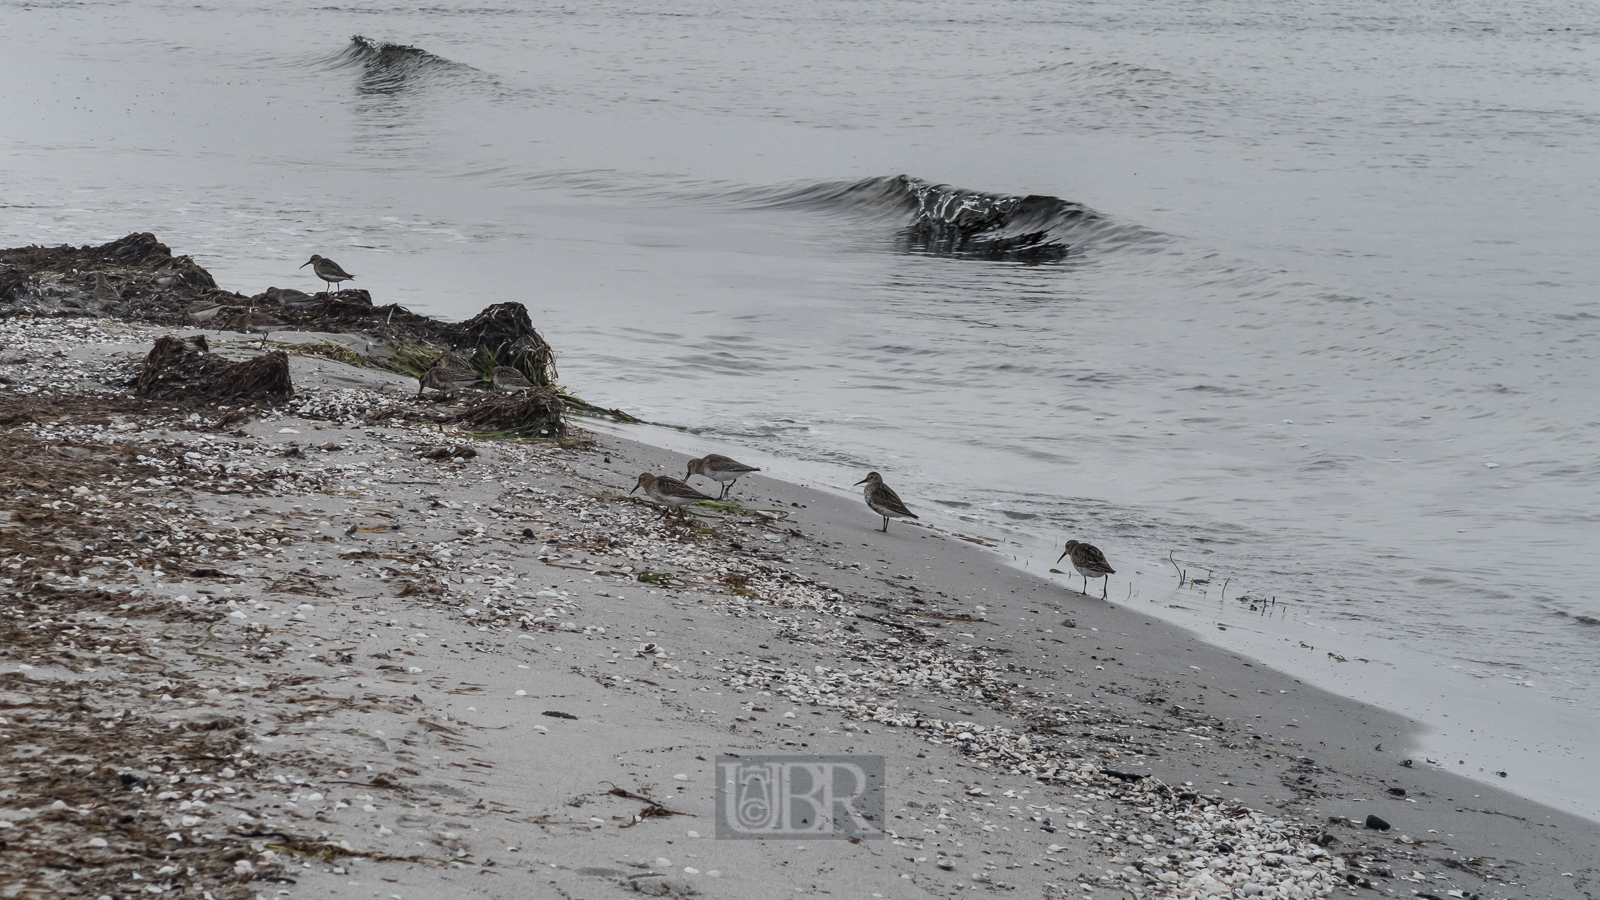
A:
(668, 491)
(289, 298)
(104, 289)
(1090, 563)
(883, 500)
(203, 311)
(721, 469)
(447, 375)
(507, 378)
(327, 270)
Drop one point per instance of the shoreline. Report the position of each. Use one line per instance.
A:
(299, 692)
(1539, 746)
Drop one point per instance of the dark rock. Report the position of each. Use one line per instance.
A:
(1376, 824)
(558, 714)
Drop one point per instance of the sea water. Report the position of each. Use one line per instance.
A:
(1292, 309)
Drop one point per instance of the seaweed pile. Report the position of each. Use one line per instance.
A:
(187, 369)
(136, 278)
(523, 414)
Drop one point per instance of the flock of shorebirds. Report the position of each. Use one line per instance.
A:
(675, 494)
(451, 374)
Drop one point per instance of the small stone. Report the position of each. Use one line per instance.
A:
(680, 777)
(663, 863)
(93, 842)
(1376, 824)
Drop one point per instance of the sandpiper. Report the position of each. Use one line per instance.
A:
(507, 378)
(447, 375)
(1090, 563)
(289, 298)
(883, 500)
(669, 491)
(104, 289)
(328, 270)
(721, 469)
(204, 311)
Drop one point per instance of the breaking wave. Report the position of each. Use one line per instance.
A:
(941, 220)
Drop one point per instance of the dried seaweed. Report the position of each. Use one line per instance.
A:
(535, 413)
(185, 369)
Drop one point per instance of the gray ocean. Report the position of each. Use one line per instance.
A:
(1304, 296)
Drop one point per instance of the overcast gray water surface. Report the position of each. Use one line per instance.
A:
(1327, 320)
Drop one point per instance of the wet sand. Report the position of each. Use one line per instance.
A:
(285, 653)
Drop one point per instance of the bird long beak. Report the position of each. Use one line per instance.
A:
(862, 481)
(635, 488)
(304, 264)
(687, 474)
(1063, 555)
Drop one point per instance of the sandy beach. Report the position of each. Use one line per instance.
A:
(332, 647)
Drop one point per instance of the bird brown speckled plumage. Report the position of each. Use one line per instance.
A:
(1090, 563)
(506, 378)
(720, 469)
(882, 499)
(668, 491)
(328, 270)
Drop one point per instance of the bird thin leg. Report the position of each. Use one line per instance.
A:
(885, 524)
(1105, 586)
(1085, 590)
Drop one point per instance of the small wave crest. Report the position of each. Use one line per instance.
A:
(941, 220)
(396, 68)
